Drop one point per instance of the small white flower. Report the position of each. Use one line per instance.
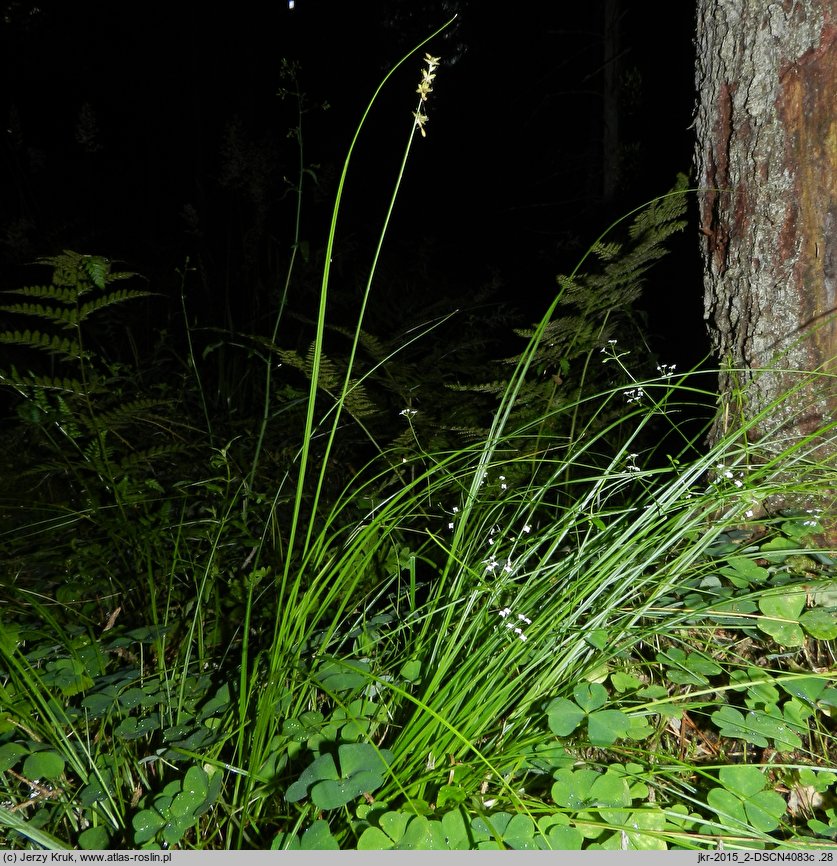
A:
(511, 626)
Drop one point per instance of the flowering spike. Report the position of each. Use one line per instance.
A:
(424, 89)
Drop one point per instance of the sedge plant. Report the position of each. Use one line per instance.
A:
(285, 642)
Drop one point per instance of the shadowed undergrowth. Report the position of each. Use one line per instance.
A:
(385, 602)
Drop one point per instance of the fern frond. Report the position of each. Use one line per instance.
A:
(357, 401)
(469, 434)
(68, 271)
(53, 344)
(666, 211)
(118, 297)
(375, 347)
(63, 262)
(113, 276)
(53, 293)
(497, 387)
(606, 252)
(31, 383)
(592, 307)
(598, 296)
(63, 316)
(329, 377)
(127, 414)
(67, 420)
(289, 357)
(97, 268)
(82, 273)
(99, 453)
(149, 456)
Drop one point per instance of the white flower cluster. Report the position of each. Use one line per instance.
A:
(630, 462)
(727, 473)
(505, 613)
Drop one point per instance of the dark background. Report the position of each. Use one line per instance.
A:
(151, 132)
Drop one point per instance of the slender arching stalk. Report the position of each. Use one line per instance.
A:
(289, 585)
(269, 362)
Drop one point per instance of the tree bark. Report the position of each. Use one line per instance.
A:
(766, 160)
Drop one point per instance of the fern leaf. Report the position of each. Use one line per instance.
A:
(606, 252)
(373, 346)
(87, 309)
(98, 453)
(61, 316)
(68, 272)
(329, 378)
(127, 414)
(357, 402)
(81, 273)
(113, 276)
(291, 358)
(97, 268)
(487, 388)
(66, 261)
(51, 343)
(149, 456)
(52, 293)
(593, 305)
(32, 383)
(665, 211)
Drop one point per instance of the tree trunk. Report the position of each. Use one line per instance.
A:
(767, 167)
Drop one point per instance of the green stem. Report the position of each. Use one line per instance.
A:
(283, 301)
(318, 349)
